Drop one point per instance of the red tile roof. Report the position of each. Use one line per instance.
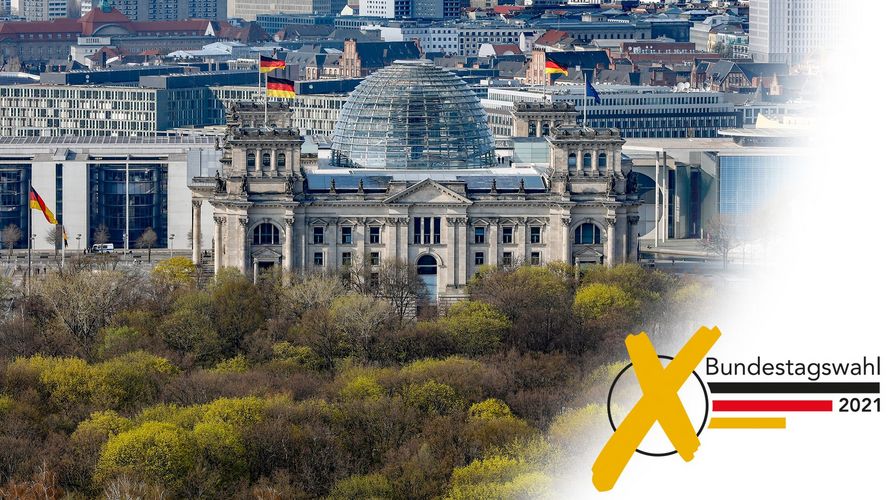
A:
(551, 37)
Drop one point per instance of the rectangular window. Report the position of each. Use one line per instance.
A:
(426, 230)
(535, 234)
(536, 258)
(375, 258)
(480, 258)
(346, 235)
(418, 233)
(346, 259)
(507, 235)
(318, 235)
(318, 259)
(478, 235)
(437, 230)
(507, 259)
(374, 235)
(374, 281)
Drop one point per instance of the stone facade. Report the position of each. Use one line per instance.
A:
(270, 209)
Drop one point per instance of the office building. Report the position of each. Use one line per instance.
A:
(792, 31)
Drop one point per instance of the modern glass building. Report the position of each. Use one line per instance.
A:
(749, 184)
(14, 198)
(412, 115)
(147, 201)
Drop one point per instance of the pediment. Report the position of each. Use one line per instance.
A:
(429, 192)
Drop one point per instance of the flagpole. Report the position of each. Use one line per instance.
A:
(28, 280)
(584, 121)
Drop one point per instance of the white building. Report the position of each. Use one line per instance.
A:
(792, 30)
(43, 10)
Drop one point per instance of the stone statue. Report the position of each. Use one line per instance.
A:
(610, 188)
(220, 183)
(631, 183)
(244, 185)
(289, 184)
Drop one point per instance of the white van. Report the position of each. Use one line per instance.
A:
(102, 248)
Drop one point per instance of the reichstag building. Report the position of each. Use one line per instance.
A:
(413, 173)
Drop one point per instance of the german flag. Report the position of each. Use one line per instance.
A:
(552, 67)
(36, 203)
(279, 87)
(268, 64)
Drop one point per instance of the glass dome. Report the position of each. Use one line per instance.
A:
(412, 115)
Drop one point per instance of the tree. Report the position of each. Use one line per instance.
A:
(720, 237)
(237, 309)
(10, 236)
(101, 235)
(84, 300)
(54, 237)
(598, 300)
(474, 327)
(148, 239)
(175, 272)
(360, 319)
(399, 284)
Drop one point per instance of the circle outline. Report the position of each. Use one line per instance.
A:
(648, 453)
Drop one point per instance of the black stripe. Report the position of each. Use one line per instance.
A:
(795, 387)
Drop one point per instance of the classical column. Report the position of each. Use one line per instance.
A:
(300, 224)
(196, 232)
(245, 247)
(462, 253)
(566, 242)
(621, 238)
(218, 243)
(538, 129)
(359, 239)
(287, 262)
(332, 230)
(403, 239)
(579, 162)
(450, 252)
(493, 242)
(391, 233)
(522, 240)
(611, 242)
(633, 240)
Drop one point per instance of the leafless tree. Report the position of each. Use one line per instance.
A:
(10, 235)
(720, 237)
(398, 283)
(148, 239)
(54, 237)
(101, 235)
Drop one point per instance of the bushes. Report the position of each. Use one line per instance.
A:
(474, 327)
(154, 451)
(371, 487)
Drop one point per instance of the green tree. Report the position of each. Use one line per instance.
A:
(154, 451)
(598, 300)
(474, 327)
(175, 272)
(433, 397)
(236, 309)
(370, 486)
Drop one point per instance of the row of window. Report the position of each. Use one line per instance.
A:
(374, 259)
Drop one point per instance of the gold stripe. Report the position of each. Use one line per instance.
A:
(747, 423)
(281, 93)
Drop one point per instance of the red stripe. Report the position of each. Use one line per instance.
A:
(276, 64)
(280, 86)
(806, 405)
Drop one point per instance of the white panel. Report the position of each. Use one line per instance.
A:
(75, 187)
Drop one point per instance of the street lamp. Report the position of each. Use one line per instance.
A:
(170, 246)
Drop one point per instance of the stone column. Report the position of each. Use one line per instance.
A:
(196, 232)
(463, 256)
(332, 230)
(403, 239)
(522, 240)
(359, 239)
(621, 238)
(538, 129)
(566, 241)
(450, 252)
(218, 243)
(633, 239)
(493, 242)
(391, 233)
(611, 242)
(287, 260)
(579, 162)
(303, 243)
(245, 246)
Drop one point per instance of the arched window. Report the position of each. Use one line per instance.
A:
(266, 234)
(587, 234)
(267, 160)
(426, 265)
(573, 161)
(601, 162)
(545, 128)
(588, 162)
(279, 160)
(251, 160)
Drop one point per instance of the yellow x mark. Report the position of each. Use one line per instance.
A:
(659, 402)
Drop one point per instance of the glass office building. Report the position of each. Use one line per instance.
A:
(412, 115)
(748, 184)
(14, 198)
(147, 201)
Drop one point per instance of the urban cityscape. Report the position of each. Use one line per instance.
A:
(370, 248)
